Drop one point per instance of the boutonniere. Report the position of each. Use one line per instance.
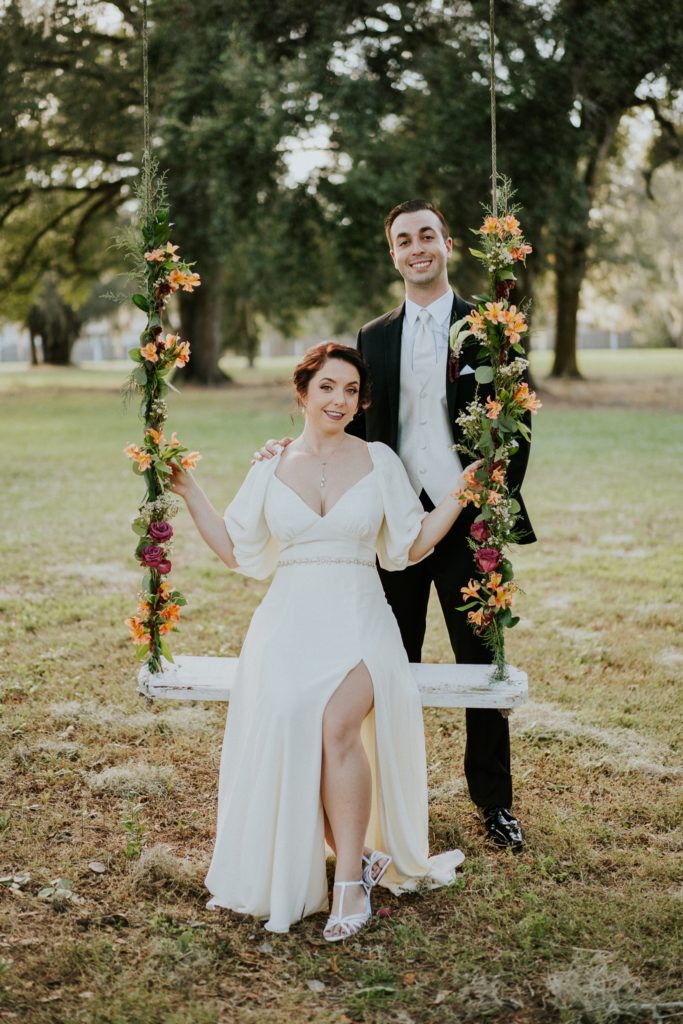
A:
(458, 338)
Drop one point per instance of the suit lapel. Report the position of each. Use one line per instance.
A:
(451, 380)
(393, 329)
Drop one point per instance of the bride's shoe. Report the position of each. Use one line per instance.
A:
(352, 923)
(369, 862)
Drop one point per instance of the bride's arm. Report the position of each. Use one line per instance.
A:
(208, 521)
(438, 522)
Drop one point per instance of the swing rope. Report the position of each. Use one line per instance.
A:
(146, 144)
(492, 90)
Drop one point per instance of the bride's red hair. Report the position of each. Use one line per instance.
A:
(316, 357)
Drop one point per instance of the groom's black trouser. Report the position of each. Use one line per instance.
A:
(449, 567)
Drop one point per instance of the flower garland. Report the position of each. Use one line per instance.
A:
(490, 427)
(163, 273)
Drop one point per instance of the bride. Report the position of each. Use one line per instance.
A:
(324, 740)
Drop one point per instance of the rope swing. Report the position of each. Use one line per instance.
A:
(492, 91)
(161, 272)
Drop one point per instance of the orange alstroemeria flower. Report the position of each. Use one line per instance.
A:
(495, 313)
(477, 323)
(175, 441)
(498, 475)
(137, 630)
(144, 608)
(491, 226)
(143, 459)
(472, 589)
(494, 498)
(467, 497)
(170, 340)
(493, 408)
(511, 225)
(171, 613)
(192, 281)
(495, 579)
(164, 590)
(526, 398)
(149, 352)
(175, 279)
(476, 616)
(165, 627)
(156, 435)
(183, 354)
(521, 252)
(190, 460)
(171, 250)
(469, 476)
(155, 256)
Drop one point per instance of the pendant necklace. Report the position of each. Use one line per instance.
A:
(323, 467)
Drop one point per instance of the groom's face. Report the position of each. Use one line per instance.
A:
(418, 248)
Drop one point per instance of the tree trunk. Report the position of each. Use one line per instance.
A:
(34, 352)
(55, 321)
(201, 315)
(570, 268)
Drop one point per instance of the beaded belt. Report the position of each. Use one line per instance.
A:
(326, 561)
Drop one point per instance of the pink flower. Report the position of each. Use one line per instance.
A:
(487, 559)
(152, 555)
(480, 531)
(161, 531)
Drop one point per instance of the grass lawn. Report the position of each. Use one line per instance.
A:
(116, 796)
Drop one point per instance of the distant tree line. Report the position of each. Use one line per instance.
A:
(400, 92)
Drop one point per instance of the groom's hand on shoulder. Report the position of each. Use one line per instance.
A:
(270, 449)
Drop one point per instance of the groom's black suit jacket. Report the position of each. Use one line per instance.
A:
(379, 342)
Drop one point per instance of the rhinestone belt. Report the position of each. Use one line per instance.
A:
(326, 561)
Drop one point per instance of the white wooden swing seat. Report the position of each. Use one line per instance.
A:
(440, 686)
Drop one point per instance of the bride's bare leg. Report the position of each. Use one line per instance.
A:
(346, 780)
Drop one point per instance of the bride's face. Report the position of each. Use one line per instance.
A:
(331, 400)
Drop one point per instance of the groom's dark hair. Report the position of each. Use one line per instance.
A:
(413, 206)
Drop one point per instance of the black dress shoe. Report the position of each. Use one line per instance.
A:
(502, 828)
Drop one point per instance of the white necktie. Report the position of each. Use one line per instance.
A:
(424, 346)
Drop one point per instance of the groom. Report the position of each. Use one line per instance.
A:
(418, 391)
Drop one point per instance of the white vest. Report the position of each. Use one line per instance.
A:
(424, 434)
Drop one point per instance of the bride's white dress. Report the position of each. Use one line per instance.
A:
(324, 613)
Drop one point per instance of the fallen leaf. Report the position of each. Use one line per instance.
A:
(315, 985)
(97, 866)
(409, 978)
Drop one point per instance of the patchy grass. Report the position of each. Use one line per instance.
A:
(115, 797)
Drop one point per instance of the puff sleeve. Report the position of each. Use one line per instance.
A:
(256, 550)
(403, 513)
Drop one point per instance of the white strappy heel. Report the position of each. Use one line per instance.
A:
(352, 923)
(374, 857)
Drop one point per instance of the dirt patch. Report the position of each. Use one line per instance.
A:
(623, 749)
(660, 393)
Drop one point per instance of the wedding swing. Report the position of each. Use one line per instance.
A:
(190, 677)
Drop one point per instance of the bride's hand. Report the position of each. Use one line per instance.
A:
(466, 479)
(181, 482)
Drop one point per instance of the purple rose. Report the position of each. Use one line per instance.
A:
(164, 567)
(152, 555)
(487, 559)
(480, 531)
(161, 531)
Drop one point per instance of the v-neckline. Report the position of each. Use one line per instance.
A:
(340, 498)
